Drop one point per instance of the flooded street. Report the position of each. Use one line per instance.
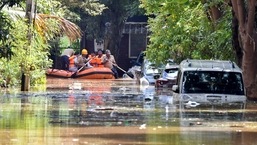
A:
(120, 112)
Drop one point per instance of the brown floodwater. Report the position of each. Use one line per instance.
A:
(119, 112)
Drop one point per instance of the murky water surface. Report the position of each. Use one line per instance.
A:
(119, 112)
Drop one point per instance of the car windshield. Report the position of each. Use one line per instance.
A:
(151, 70)
(215, 82)
(171, 70)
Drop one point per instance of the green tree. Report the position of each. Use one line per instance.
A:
(242, 18)
(30, 56)
(184, 29)
(5, 27)
(69, 10)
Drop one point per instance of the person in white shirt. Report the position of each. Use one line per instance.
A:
(109, 61)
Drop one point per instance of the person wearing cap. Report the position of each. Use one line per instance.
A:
(83, 59)
(109, 62)
(66, 54)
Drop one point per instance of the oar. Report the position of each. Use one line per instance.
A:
(74, 74)
(84, 65)
(129, 74)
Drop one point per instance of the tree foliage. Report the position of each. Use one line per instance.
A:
(5, 28)
(91, 7)
(30, 56)
(68, 10)
(203, 30)
(182, 29)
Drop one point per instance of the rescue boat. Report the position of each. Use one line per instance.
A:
(89, 73)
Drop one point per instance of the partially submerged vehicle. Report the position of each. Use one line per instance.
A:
(136, 66)
(168, 76)
(139, 60)
(209, 82)
(150, 71)
(196, 114)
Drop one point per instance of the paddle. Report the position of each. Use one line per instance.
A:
(129, 74)
(74, 74)
(85, 65)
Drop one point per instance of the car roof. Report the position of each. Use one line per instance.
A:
(209, 65)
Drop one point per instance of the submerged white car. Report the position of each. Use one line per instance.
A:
(209, 82)
(150, 71)
(168, 77)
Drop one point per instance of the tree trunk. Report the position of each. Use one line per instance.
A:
(25, 79)
(115, 34)
(249, 66)
(215, 14)
(116, 39)
(247, 37)
(237, 46)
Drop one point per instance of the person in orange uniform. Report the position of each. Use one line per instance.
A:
(99, 58)
(93, 61)
(72, 66)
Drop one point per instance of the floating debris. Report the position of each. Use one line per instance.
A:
(143, 126)
(192, 104)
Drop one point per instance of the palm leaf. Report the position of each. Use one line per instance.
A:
(65, 27)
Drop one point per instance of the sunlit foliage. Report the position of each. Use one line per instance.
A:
(29, 56)
(181, 29)
(5, 27)
(25, 48)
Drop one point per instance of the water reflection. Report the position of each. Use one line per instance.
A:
(121, 112)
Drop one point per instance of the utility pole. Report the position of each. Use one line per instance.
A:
(25, 79)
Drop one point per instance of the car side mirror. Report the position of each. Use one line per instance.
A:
(175, 88)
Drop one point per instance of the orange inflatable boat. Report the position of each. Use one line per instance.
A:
(89, 73)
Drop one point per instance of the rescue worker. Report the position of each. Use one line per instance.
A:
(109, 62)
(99, 58)
(82, 60)
(72, 66)
(93, 61)
(65, 58)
